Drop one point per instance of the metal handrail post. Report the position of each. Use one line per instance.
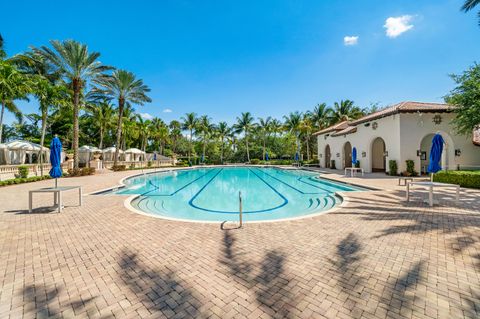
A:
(240, 208)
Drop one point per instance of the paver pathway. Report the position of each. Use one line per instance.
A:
(377, 257)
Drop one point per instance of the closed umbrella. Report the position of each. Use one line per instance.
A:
(354, 156)
(435, 155)
(296, 157)
(55, 155)
(267, 158)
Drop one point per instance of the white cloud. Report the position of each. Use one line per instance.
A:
(167, 111)
(350, 40)
(146, 116)
(398, 25)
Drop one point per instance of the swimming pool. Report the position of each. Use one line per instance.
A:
(211, 194)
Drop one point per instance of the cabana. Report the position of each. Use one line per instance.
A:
(22, 152)
(108, 154)
(134, 155)
(86, 153)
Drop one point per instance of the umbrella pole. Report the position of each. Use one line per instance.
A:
(431, 177)
(56, 181)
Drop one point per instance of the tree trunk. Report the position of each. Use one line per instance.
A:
(221, 151)
(264, 148)
(246, 142)
(121, 103)
(308, 149)
(204, 146)
(190, 146)
(42, 139)
(100, 146)
(1, 120)
(77, 86)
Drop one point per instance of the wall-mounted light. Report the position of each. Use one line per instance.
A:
(458, 152)
(437, 119)
(385, 153)
(321, 155)
(364, 154)
(375, 125)
(338, 154)
(419, 153)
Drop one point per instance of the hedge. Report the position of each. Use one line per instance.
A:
(469, 179)
(23, 180)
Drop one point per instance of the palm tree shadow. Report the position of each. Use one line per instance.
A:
(159, 291)
(272, 295)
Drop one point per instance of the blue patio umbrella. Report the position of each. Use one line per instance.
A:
(267, 158)
(435, 154)
(296, 157)
(354, 156)
(55, 158)
(155, 156)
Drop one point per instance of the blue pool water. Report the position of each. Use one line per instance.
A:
(211, 194)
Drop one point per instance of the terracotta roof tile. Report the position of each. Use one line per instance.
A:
(348, 130)
(336, 127)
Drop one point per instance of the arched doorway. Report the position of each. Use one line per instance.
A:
(328, 156)
(347, 155)
(448, 154)
(378, 155)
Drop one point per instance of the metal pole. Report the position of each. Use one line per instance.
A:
(240, 208)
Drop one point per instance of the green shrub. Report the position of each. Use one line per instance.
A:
(357, 164)
(469, 179)
(149, 164)
(23, 171)
(255, 161)
(23, 180)
(393, 168)
(410, 168)
(119, 168)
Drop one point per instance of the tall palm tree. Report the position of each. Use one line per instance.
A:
(345, 110)
(245, 125)
(264, 126)
(189, 123)
(223, 131)
(275, 127)
(49, 91)
(204, 129)
(293, 124)
(469, 5)
(144, 128)
(78, 66)
(160, 131)
(103, 114)
(306, 129)
(125, 88)
(321, 116)
(175, 134)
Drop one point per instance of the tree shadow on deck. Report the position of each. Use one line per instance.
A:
(270, 284)
(42, 302)
(352, 270)
(160, 291)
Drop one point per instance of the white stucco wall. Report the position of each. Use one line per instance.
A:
(403, 134)
(388, 129)
(414, 127)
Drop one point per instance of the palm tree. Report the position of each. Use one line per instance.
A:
(293, 124)
(175, 134)
(345, 111)
(160, 131)
(306, 129)
(275, 127)
(103, 114)
(144, 128)
(49, 92)
(77, 66)
(124, 87)
(470, 5)
(245, 125)
(223, 131)
(189, 123)
(204, 128)
(264, 126)
(321, 116)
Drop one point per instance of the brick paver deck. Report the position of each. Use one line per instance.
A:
(378, 257)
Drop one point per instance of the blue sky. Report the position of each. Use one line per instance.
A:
(267, 57)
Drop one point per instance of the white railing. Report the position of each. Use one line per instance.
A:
(137, 164)
(11, 171)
